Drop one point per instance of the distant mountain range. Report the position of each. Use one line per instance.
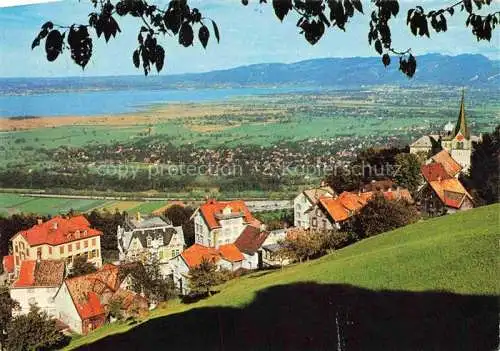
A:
(432, 69)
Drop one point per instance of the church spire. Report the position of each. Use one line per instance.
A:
(461, 126)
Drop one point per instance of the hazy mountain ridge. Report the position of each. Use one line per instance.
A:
(432, 69)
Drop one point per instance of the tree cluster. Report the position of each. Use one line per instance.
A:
(81, 267)
(484, 176)
(203, 278)
(380, 215)
(302, 244)
(34, 331)
(149, 281)
(180, 216)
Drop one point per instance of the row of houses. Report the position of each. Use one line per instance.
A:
(226, 233)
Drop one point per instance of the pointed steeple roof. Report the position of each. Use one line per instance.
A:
(461, 126)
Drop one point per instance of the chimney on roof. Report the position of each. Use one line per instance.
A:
(323, 183)
(39, 220)
(38, 256)
(54, 225)
(439, 178)
(262, 227)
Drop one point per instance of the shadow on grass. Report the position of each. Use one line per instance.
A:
(310, 316)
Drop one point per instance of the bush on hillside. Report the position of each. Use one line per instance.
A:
(381, 215)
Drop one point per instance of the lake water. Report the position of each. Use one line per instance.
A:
(121, 101)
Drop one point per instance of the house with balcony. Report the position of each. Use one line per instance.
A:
(218, 223)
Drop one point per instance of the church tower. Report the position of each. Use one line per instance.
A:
(459, 143)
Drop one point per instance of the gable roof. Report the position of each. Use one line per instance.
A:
(45, 273)
(196, 253)
(314, 194)
(347, 203)
(450, 191)
(425, 141)
(434, 171)
(231, 253)
(85, 290)
(59, 230)
(8, 263)
(166, 233)
(251, 239)
(451, 166)
(211, 211)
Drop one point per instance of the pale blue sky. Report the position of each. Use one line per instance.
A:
(249, 35)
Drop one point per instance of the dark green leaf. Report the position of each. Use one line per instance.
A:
(135, 58)
(281, 8)
(203, 35)
(186, 35)
(386, 59)
(216, 31)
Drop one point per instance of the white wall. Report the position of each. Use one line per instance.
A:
(66, 310)
(300, 205)
(251, 261)
(42, 297)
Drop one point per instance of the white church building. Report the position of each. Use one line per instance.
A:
(456, 140)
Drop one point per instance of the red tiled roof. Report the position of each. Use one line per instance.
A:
(44, 273)
(59, 230)
(451, 166)
(211, 208)
(8, 263)
(26, 274)
(196, 253)
(85, 290)
(347, 204)
(251, 239)
(450, 191)
(90, 307)
(230, 253)
(434, 171)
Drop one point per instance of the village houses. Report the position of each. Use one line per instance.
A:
(55, 239)
(442, 191)
(146, 239)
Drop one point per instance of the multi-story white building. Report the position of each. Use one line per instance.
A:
(221, 222)
(57, 239)
(146, 238)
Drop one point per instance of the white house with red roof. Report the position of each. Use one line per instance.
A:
(226, 256)
(82, 302)
(38, 283)
(58, 238)
(221, 222)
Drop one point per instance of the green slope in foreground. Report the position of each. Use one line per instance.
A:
(455, 254)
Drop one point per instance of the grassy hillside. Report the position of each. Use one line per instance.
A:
(428, 282)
